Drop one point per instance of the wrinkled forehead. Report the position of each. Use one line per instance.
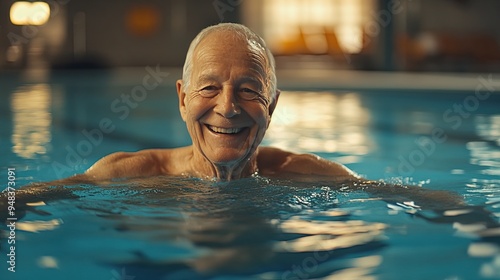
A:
(228, 45)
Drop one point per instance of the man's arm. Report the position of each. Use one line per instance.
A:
(126, 165)
(114, 166)
(312, 168)
(279, 163)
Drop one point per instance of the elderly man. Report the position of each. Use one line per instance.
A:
(227, 96)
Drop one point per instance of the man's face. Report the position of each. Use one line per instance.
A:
(226, 106)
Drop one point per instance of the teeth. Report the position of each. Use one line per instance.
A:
(225, 130)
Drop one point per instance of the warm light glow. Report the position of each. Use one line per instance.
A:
(285, 19)
(349, 31)
(31, 120)
(29, 13)
(321, 122)
(37, 226)
(143, 20)
(317, 236)
(485, 153)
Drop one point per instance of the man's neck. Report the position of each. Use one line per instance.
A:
(202, 167)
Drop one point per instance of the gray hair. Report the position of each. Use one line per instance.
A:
(255, 42)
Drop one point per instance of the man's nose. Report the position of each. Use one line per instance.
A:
(227, 104)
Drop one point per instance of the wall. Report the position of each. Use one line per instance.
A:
(465, 16)
(108, 36)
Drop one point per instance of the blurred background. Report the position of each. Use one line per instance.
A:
(401, 90)
(386, 35)
(362, 79)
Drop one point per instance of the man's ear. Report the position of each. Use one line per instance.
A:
(182, 96)
(273, 104)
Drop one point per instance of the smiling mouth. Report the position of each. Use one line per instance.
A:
(225, 130)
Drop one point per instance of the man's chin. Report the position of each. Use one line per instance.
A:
(228, 157)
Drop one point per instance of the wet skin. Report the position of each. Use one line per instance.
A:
(227, 107)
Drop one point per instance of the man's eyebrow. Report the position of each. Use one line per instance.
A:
(250, 79)
(203, 78)
(207, 78)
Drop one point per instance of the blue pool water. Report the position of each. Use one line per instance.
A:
(255, 228)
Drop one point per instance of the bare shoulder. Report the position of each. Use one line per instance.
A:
(274, 161)
(151, 162)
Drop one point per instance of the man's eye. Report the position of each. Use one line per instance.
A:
(209, 91)
(248, 90)
(248, 94)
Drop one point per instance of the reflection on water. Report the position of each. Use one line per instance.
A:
(37, 226)
(488, 127)
(255, 228)
(30, 105)
(197, 230)
(490, 269)
(334, 123)
(485, 155)
(47, 262)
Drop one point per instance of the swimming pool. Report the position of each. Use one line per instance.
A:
(181, 228)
